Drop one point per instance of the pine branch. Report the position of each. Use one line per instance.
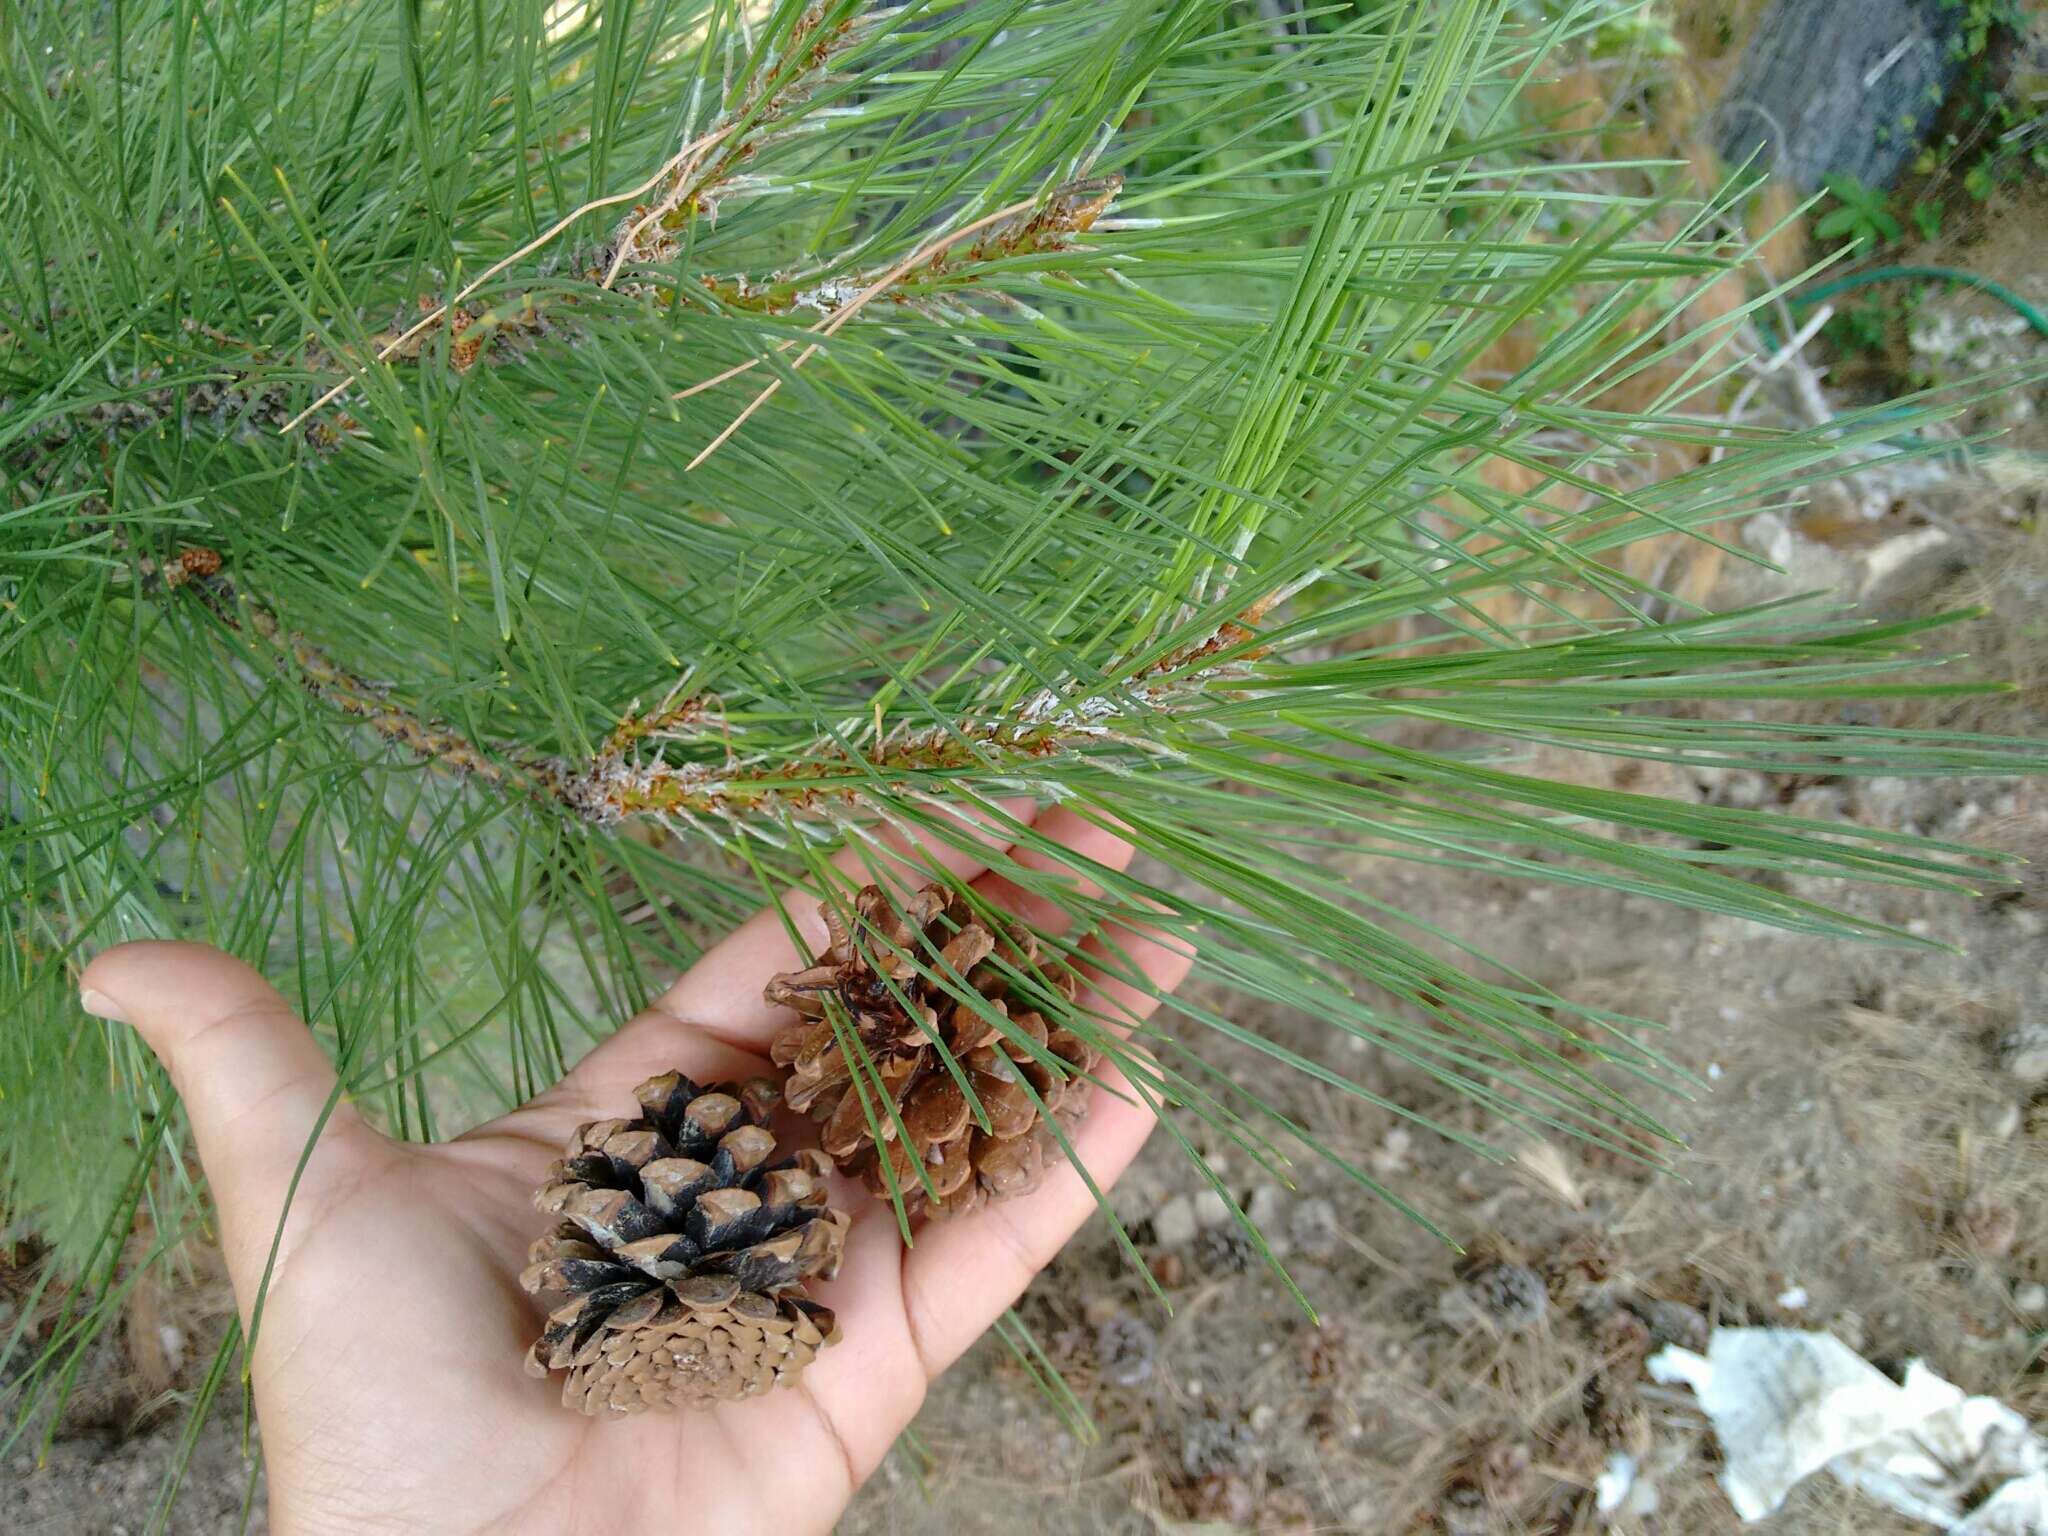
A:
(825, 781)
(1047, 227)
(197, 570)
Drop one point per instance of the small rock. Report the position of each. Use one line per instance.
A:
(1263, 1417)
(1213, 1445)
(1170, 1270)
(1312, 1226)
(2002, 1120)
(1097, 1310)
(1885, 802)
(1392, 1157)
(2031, 1298)
(1918, 547)
(1810, 565)
(2024, 1052)
(1126, 1349)
(1211, 1209)
(1820, 802)
(1742, 789)
(1174, 1225)
(1464, 1512)
(1137, 1195)
(1267, 1210)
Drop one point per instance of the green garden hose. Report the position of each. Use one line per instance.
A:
(1807, 297)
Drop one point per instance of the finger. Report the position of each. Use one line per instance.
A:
(1130, 969)
(961, 1273)
(869, 1384)
(722, 992)
(255, 1083)
(1086, 844)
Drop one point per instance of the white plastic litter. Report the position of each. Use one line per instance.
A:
(1787, 1403)
(1615, 1482)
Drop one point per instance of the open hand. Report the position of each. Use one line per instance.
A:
(387, 1358)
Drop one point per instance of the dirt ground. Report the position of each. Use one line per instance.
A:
(1864, 1155)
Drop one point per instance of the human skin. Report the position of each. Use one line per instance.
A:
(387, 1364)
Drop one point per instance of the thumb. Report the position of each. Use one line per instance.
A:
(255, 1083)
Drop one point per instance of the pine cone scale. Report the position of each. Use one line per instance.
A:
(671, 1183)
(805, 991)
(936, 1113)
(967, 949)
(572, 1275)
(612, 1217)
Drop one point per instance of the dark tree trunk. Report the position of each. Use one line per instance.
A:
(1830, 86)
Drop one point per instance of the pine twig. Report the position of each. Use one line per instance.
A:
(829, 775)
(688, 192)
(197, 570)
(647, 237)
(433, 316)
(1071, 209)
(826, 779)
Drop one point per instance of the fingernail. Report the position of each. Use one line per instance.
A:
(101, 1006)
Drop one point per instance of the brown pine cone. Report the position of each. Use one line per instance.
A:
(683, 1254)
(951, 1164)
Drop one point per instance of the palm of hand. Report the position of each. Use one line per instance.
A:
(403, 1280)
(387, 1357)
